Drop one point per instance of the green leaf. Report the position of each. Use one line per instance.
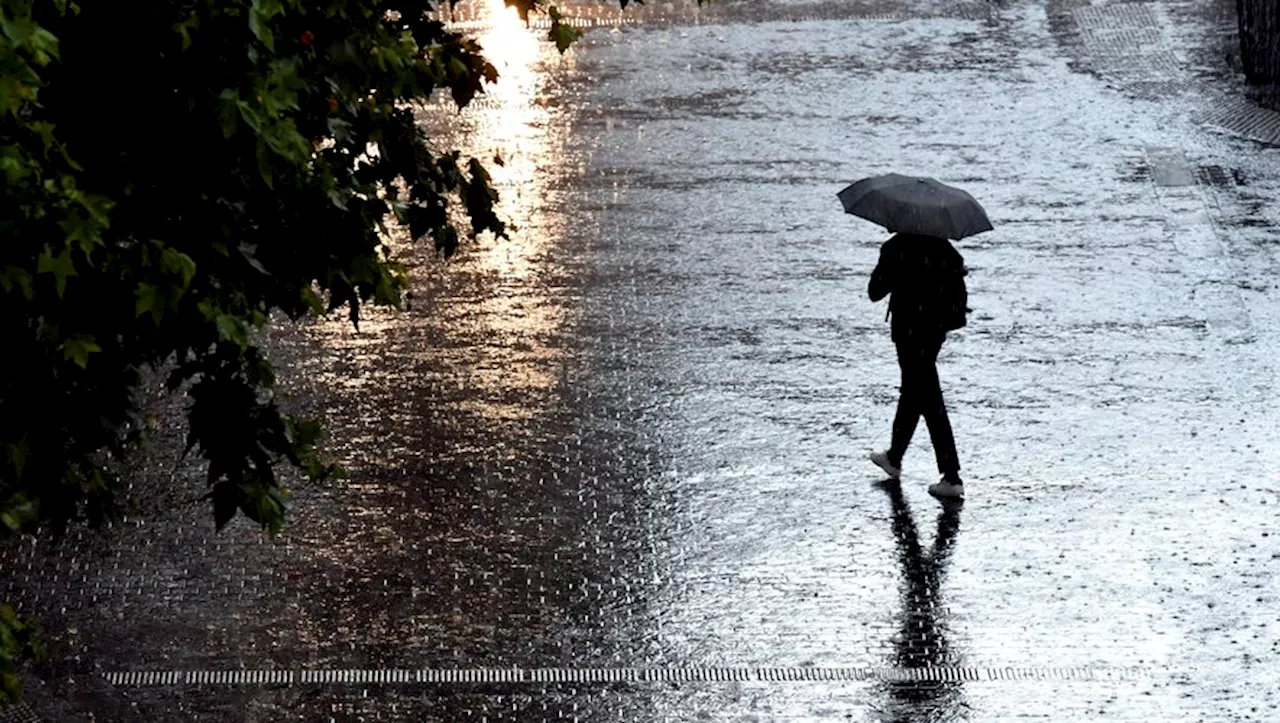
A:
(312, 300)
(82, 232)
(269, 8)
(18, 452)
(447, 241)
(388, 289)
(250, 116)
(97, 206)
(481, 197)
(173, 261)
(44, 130)
(339, 128)
(209, 308)
(561, 34)
(258, 316)
(304, 432)
(44, 45)
(264, 165)
(226, 498)
(232, 328)
(15, 164)
(79, 348)
(264, 504)
(12, 521)
(258, 25)
(149, 300)
(184, 29)
(11, 688)
(60, 266)
(17, 276)
(17, 30)
(229, 111)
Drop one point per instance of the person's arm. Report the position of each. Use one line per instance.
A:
(882, 279)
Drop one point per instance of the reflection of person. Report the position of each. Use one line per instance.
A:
(921, 641)
(910, 268)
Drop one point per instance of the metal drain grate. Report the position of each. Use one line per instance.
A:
(1244, 118)
(19, 714)
(610, 675)
(1127, 44)
(1217, 176)
(1109, 17)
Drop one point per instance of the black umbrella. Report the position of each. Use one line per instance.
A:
(910, 204)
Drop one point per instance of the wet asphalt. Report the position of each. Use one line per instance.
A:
(613, 468)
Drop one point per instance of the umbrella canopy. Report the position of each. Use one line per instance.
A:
(911, 204)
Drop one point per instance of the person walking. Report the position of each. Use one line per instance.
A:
(924, 279)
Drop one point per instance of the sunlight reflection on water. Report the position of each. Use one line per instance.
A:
(516, 128)
(481, 324)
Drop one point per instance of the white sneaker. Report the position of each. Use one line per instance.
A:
(881, 460)
(947, 490)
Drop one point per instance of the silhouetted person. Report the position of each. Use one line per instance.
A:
(921, 641)
(920, 275)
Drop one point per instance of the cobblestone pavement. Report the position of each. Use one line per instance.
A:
(613, 468)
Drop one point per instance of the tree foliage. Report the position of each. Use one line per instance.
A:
(19, 641)
(1259, 23)
(174, 173)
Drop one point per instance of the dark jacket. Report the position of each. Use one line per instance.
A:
(910, 268)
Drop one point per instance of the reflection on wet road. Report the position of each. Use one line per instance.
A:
(613, 467)
(921, 641)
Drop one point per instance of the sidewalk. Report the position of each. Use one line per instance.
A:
(614, 470)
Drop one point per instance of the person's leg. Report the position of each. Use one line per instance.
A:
(934, 410)
(908, 414)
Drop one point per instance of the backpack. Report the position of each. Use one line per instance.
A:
(930, 291)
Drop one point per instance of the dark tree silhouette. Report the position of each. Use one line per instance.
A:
(173, 174)
(1260, 44)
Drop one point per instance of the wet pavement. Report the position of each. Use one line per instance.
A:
(614, 467)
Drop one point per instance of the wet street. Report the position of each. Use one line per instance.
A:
(614, 467)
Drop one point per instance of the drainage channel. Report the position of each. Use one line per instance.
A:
(610, 675)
